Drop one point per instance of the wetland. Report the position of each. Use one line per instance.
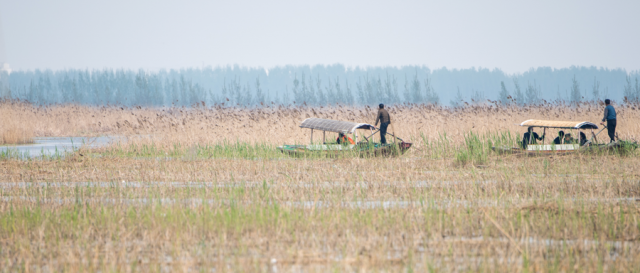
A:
(187, 199)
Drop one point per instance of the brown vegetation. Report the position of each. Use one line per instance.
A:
(14, 134)
(279, 124)
(15, 125)
(417, 212)
(540, 214)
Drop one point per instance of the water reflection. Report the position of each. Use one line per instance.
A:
(54, 146)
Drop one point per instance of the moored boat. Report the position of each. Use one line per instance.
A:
(565, 145)
(362, 144)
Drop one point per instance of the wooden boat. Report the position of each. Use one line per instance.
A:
(565, 148)
(364, 147)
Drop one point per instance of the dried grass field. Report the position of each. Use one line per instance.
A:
(279, 124)
(202, 189)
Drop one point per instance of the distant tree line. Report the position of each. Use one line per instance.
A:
(318, 85)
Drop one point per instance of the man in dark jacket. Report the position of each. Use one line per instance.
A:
(610, 117)
(560, 139)
(530, 137)
(385, 120)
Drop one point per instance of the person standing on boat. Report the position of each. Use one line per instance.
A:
(610, 117)
(530, 137)
(385, 120)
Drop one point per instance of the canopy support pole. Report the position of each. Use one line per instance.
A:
(595, 136)
(324, 141)
(544, 133)
(311, 141)
(371, 136)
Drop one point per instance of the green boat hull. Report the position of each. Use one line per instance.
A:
(337, 150)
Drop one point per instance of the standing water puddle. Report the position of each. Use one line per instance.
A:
(54, 146)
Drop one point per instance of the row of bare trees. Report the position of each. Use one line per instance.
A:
(320, 85)
(531, 95)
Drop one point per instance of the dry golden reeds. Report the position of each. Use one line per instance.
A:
(169, 207)
(390, 214)
(15, 126)
(15, 135)
(278, 125)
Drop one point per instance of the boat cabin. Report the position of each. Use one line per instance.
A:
(552, 125)
(361, 137)
(336, 126)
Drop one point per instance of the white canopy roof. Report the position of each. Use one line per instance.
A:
(559, 124)
(337, 126)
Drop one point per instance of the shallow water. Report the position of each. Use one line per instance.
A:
(247, 184)
(270, 184)
(55, 146)
(320, 204)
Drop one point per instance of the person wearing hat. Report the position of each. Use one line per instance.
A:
(610, 117)
(385, 120)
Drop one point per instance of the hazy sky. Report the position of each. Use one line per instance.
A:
(510, 35)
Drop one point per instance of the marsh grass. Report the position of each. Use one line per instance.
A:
(10, 153)
(475, 150)
(14, 125)
(504, 218)
(15, 135)
(540, 214)
(572, 237)
(185, 202)
(277, 125)
(224, 149)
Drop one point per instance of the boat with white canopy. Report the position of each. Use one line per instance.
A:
(566, 143)
(363, 140)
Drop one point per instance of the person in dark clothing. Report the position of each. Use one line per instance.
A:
(384, 119)
(342, 139)
(583, 139)
(568, 139)
(558, 140)
(610, 117)
(530, 137)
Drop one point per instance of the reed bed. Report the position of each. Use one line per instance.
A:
(559, 213)
(14, 126)
(188, 201)
(277, 124)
